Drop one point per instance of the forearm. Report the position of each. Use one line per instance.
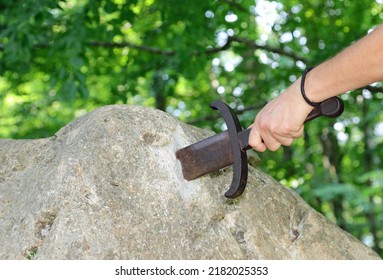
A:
(281, 120)
(358, 65)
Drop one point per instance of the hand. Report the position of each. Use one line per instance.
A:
(280, 121)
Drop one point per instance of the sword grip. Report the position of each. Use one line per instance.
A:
(332, 108)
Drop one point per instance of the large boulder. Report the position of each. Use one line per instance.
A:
(108, 186)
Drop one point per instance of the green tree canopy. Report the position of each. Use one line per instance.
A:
(61, 59)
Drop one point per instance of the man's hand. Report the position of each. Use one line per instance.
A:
(280, 121)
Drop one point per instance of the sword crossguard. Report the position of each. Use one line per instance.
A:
(240, 167)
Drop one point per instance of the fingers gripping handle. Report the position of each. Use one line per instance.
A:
(332, 108)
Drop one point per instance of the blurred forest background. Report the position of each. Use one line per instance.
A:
(62, 59)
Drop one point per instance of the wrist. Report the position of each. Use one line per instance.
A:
(317, 85)
(293, 95)
(303, 89)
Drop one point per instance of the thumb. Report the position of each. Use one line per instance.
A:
(255, 140)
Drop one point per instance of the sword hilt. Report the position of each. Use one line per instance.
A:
(332, 107)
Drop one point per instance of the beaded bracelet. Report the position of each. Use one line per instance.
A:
(311, 103)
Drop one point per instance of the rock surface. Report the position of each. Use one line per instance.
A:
(108, 186)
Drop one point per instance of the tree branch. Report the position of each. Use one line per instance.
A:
(168, 52)
(253, 45)
(158, 50)
(213, 117)
(249, 43)
(132, 46)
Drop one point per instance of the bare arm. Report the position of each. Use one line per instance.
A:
(281, 120)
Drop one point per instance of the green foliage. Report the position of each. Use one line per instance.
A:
(62, 59)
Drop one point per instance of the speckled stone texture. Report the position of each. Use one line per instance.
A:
(108, 186)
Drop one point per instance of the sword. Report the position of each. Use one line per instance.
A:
(230, 146)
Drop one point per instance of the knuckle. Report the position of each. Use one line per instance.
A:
(286, 131)
(264, 127)
(274, 147)
(288, 142)
(260, 148)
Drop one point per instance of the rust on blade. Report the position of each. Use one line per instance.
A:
(206, 156)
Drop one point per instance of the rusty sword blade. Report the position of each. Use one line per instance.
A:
(216, 152)
(210, 154)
